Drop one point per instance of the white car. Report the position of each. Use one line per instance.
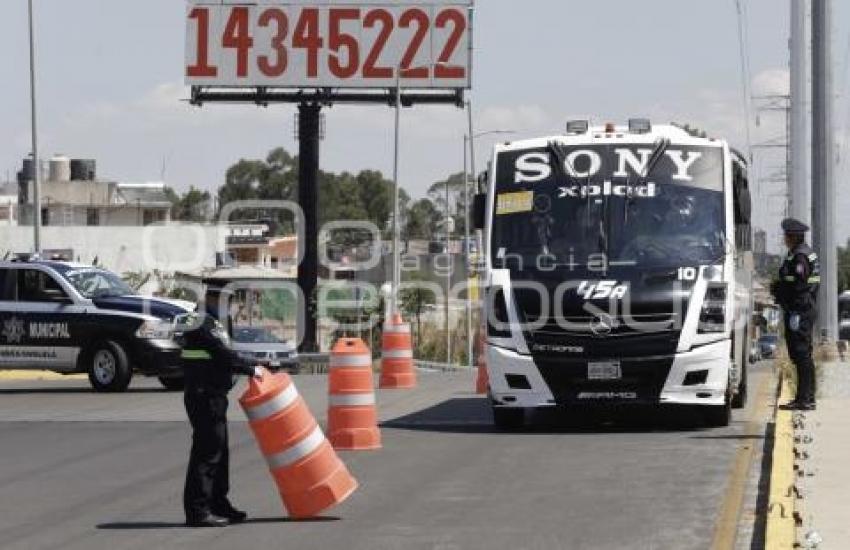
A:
(261, 346)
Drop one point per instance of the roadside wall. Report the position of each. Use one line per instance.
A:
(169, 248)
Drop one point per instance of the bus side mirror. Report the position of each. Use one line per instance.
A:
(483, 179)
(743, 206)
(479, 209)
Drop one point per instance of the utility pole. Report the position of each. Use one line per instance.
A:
(36, 166)
(800, 189)
(467, 249)
(449, 270)
(766, 105)
(823, 167)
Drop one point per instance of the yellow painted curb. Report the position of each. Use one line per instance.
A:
(781, 529)
(38, 375)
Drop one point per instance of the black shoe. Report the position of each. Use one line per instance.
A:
(231, 514)
(208, 520)
(791, 406)
(808, 406)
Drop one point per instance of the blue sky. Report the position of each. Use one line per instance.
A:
(110, 84)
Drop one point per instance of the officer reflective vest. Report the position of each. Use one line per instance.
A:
(799, 279)
(208, 358)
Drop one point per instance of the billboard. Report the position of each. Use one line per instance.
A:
(329, 44)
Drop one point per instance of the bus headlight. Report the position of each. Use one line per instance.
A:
(712, 317)
(155, 330)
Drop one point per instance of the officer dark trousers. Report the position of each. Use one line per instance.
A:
(208, 474)
(800, 351)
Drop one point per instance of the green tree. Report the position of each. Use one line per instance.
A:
(844, 267)
(422, 220)
(194, 206)
(456, 199)
(414, 301)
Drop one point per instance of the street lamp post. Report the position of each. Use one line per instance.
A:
(469, 140)
(397, 194)
(36, 168)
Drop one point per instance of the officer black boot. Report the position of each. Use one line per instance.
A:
(208, 520)
(227, 511)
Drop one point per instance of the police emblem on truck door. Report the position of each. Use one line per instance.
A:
(13, 330)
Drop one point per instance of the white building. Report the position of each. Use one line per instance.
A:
(8, 205)
(73, 196)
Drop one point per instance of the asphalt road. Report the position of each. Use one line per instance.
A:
(85, 471)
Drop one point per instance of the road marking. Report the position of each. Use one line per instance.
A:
(726, 528)
(780, 531)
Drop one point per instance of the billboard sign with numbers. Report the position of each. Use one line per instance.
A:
(329, 44)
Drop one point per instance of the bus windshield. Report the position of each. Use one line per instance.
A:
(609, 200)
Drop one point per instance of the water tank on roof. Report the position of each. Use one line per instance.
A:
(83, 169)
(60, 168)
(26, 174)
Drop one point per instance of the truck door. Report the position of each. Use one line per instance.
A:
(38, 322)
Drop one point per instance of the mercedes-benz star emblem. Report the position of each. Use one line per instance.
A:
(602, 325)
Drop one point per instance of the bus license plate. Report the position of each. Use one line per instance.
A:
(604, 370)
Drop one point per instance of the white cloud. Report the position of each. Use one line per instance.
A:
(159, 133)
(772, 82)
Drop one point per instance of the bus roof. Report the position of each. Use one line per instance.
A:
(621, 134)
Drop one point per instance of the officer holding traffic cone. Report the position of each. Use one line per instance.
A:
(208, 364)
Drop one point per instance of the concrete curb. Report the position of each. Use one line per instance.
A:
(780, 531)
(35, 375)
(443, 367)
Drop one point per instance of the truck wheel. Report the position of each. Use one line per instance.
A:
(108, 367)
(508, 418)
(740, 399)
(172, 383)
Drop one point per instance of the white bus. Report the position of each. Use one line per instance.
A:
(618, 272)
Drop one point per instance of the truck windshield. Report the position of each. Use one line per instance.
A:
(97, 283)
(608, 201)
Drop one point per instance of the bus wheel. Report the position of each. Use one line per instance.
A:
(108, 367)
(508, 418)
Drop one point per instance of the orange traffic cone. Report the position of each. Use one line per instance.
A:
(482, 381)
(352, 418)
(397, 371)
(309, 475)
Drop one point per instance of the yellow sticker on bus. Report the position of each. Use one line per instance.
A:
(514, 203)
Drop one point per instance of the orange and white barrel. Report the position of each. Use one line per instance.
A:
(397, 370)
(309, 475)
(482, 381)
(352, 414)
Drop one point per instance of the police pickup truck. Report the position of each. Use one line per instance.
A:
(71, 318)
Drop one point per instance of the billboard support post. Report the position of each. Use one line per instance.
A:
(308, 182)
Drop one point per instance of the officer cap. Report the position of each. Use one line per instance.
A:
(792, 226)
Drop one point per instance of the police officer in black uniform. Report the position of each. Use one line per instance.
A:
(209, 363)
(796, 291)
